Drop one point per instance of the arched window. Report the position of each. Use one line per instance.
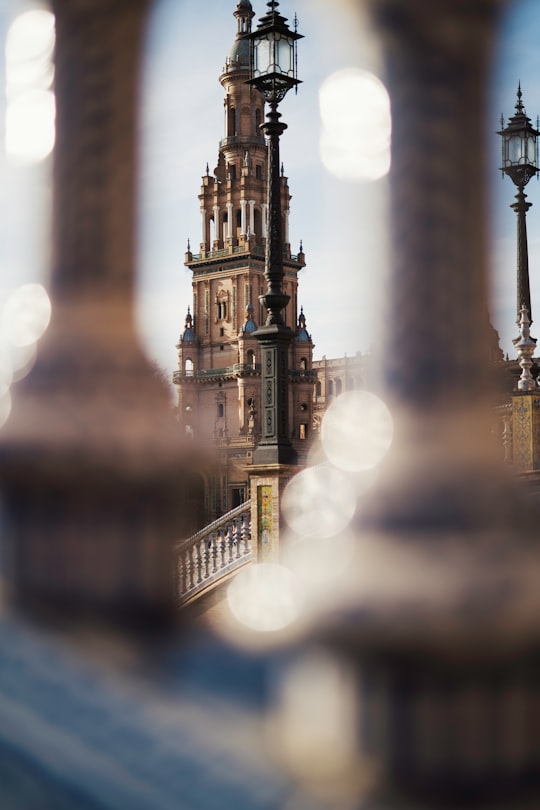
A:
(339, 387)
(302, 365)
(257, 222)
(251, 358)
(318, 388)
(330, 388)
(231, 122)
(188, 367)
(220, 409)
(221, 310)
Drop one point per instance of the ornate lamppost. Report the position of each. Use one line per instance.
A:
(520, 163)
(273, 74)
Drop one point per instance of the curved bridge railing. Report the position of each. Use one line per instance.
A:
(213, 552)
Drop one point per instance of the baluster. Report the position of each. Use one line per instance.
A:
(190, 569)
(180, 575)
(216, 542)
(201, 550)
(246, 533)
(208, 544)
(233, 540)
(186, 575)
(225, 541)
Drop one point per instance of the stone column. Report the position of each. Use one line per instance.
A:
(252, 217)
(441, 620)
(88, 476)
(243, 227)
(217, 234)
(204, 236)
(230, 223)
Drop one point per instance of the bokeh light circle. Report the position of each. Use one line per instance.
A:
(356, 125)
(265, 597)
(320, 561)
(29, 75)
(30, 37)
(30, 126)
(356, 431)
(25, 315)
(5, 403)
(319, 501)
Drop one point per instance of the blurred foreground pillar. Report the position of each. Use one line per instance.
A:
(441, 621)
(89, 460)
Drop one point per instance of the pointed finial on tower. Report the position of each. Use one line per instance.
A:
(295, 23)
(188, 246)
(301, 248)
(302, 319)
(519, 104)
(282, 169)
(207, 169)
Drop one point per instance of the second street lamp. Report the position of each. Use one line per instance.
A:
(520, 163)
(273, 74)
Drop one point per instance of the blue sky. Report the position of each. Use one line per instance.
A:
(342, 224)
(182, 125)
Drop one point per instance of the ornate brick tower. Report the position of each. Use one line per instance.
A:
(218, 377)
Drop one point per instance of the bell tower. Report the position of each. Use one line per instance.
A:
(219, 377)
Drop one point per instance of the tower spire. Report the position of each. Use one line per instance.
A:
(519, 104)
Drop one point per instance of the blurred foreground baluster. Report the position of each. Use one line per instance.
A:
(90, 461)
(440, 618)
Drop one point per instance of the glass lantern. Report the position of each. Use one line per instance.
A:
(519, 147)
(273, 56)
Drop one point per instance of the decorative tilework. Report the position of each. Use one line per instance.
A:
(264, 522)
(523, 435)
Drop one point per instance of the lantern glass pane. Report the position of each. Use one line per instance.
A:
(531, 152)
(285, 56)
(515, 149)
(261, 57)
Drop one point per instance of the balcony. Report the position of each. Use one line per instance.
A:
(236, 370)
(242, 140)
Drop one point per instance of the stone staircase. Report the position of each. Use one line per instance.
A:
(214, 552)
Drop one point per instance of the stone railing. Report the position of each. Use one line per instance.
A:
(207, 556)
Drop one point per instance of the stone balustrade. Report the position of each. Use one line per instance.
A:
(203, 559)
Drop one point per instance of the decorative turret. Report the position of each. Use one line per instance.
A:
(188, 335)
(302, 335)
(238, 58)
(249, 324)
